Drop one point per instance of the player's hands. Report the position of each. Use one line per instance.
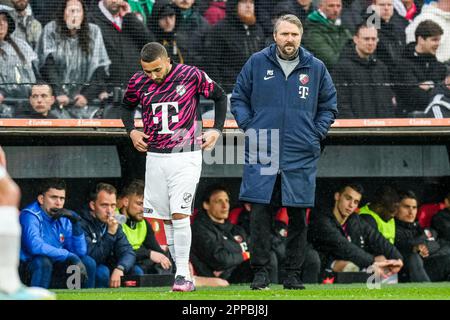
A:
(388, 267)
(160, 258)
(1, 98)
(103, 96)
(209, 139)
(114, 281)
(138, 140)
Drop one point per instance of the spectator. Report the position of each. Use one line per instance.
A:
(391, 33)
(16, 63)
(28, 28)
(220, 248)
(11, 288)
(191, 29)
(52, 240)
(237, 37)
(164, 27)
(346, 242)
(381, 211)
(361, 79)
(300, 8)
(41, 101)
(420, 71)
(425, 259)
(324, 35)
(142, 9)
(71, 55)
(150, 258)
(407, 9)
(106, 241)
(353, 13)
(439, 107)
(438, 12)
(441, 222)
(124, 35)
(215, 12)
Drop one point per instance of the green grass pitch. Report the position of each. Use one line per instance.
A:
(406, 291)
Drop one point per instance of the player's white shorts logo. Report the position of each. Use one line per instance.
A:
(165, 115)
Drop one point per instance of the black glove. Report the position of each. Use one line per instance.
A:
(72, 216)
(73, 259)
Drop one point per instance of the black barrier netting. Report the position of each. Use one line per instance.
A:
(389, 58)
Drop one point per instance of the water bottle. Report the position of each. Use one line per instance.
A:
(121, 219)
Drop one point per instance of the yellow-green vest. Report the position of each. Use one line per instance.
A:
(136, 236)
(387, 229)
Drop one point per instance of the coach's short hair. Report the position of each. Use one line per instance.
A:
(288, 18)
(42, 83)
(427, 29)
(108, 188)
(152, 51)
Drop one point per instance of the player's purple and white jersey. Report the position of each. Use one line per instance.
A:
(170, 109)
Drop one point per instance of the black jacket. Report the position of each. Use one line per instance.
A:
(360, 246)
(361, 87)
(392, 40)
(104, 248)
(229, 45)
(441, 223)
(408, 235)
(123, 46)
(414, 69)
(216, 247)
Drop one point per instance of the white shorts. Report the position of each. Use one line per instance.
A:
(171, 180)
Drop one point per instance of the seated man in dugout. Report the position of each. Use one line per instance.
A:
(346, 243)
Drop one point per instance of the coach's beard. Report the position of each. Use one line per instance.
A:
(285, 55)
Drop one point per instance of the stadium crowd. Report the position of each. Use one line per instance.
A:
(388, 58)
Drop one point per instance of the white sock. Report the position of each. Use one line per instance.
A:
(182, 237)
(168, 230)
(9, 249)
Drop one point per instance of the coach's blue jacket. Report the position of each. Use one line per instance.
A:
(44, 236)
(302, 107)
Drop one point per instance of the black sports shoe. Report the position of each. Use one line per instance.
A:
(260, 281)
(293, 282)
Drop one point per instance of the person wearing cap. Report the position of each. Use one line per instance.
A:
(124, 36)
(164, 22)
(16, 60)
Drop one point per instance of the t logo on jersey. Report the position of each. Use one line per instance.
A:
(165, 115)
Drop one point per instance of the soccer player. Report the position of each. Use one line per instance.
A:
(10, 286)
(169, 94)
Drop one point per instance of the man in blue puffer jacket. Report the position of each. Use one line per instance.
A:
(285, 101)
(53, 240)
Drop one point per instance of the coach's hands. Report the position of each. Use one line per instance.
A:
(138, 140)
(209, 139)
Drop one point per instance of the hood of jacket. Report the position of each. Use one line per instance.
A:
(11, 24)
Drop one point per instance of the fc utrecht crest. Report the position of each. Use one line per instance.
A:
(304, 78)
(181, 89)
